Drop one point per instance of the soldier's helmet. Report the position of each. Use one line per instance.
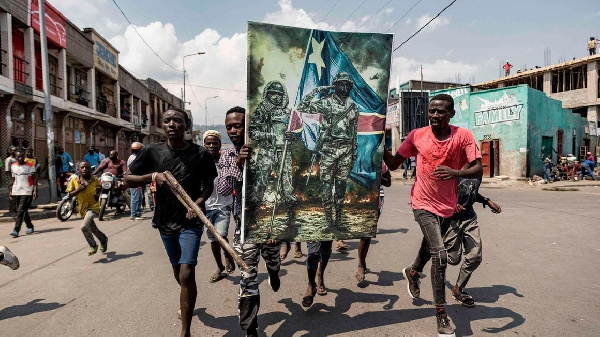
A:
(342, 77)
(276, 87)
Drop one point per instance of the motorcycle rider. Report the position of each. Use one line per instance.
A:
(113, 165)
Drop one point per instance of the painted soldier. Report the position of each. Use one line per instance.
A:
(336, 142)
(268, 127)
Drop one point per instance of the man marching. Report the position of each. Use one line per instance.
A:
(180, 229)
(441, 150)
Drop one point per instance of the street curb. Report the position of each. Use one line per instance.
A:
(43, 214)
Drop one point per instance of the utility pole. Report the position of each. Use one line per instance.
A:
(48, 113)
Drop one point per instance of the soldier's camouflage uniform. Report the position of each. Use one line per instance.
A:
(268, 125)
(337, 144)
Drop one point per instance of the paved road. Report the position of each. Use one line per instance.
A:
(539, 277)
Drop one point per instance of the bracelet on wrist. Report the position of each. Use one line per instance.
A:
(154, 177)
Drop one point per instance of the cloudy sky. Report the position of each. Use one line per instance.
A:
(468, 41)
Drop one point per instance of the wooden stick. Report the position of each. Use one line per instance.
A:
(190, 204)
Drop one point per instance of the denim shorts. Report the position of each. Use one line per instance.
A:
(183, 247)
(220, 218)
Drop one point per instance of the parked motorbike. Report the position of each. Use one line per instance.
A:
(67, 206)
(113, 194)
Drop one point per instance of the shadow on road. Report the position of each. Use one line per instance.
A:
(489, 294)
(324, 320)
(29, 308)
(392, 230)
(112, 256)
(50, 230)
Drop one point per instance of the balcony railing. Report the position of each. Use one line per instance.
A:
(79, 95)
(20, 69)
(105, 107)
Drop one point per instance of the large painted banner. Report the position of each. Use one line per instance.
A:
(316, 119)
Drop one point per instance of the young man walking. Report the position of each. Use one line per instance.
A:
(218, 211)
(441, 150)
(180, 229)
(23, 191)
(231, 165)
(86, 188)
(463, 238)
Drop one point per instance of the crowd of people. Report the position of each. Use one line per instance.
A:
(447, 165)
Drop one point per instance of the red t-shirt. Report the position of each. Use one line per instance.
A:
(430, 193)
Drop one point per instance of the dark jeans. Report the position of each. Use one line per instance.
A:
(432, 248)
(22, 203)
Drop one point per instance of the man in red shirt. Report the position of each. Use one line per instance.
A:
(441, 150)
(113, 165)
(507, 67)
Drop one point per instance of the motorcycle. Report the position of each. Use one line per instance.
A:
(67, 206)
(113, 194)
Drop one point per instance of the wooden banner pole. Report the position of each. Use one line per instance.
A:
(185, 199)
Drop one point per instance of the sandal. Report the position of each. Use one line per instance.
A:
(360, 277)
(341, 246)
(217, 276)
(464, 298)
(298, 255)
(307, 300)
(321, 290)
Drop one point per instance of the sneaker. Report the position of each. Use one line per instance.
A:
(412, 284)
(138, 218)
(29, 230)
(104, 246)
(14, 234)
(9, 259)
(273, 279)
(445, 328)
(93, 250)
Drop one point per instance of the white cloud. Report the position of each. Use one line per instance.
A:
(290, 16)
(112, 26)
(438, 22)
(408, 21)
(406, 69)
(472, 23)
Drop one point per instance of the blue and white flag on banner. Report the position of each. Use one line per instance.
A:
(323, 60)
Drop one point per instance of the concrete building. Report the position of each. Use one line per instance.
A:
(516, 127)
(95, 101)
(407, 108)
(575, 83)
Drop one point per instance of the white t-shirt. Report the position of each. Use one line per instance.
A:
(24, 178)
(217, 200)
(8, 162)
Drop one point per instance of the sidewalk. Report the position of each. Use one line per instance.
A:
(43, 207)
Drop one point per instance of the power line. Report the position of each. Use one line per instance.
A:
(416, 3)
(335, 4)
(375, 14)
(354, 11)
(425, 25)
(204, 87)
(132, 26)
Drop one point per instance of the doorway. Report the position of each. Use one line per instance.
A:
(490, 157)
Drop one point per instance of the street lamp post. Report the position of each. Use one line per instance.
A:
(206, 112)
(198, 53)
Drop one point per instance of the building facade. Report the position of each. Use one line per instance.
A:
(516, 127)
(95, 101)
(575, 83)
